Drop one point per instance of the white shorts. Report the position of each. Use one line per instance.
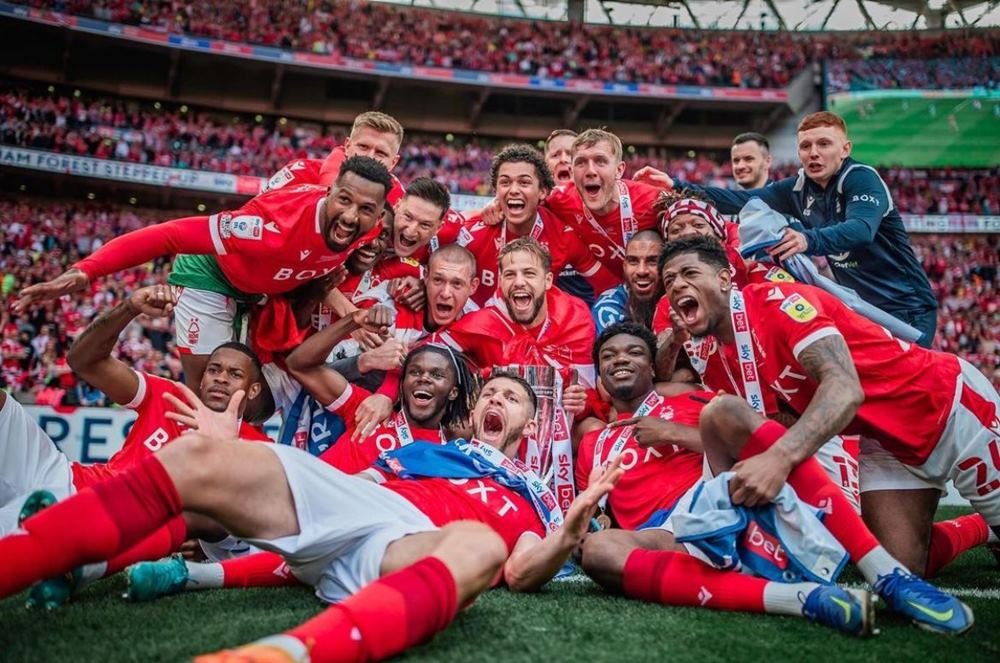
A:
(203, 320)
(345, 525)
(880, 470)
(29, 461)
(968, 452)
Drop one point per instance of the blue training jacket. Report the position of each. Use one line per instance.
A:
(855, 224)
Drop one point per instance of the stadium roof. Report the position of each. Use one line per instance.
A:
(747, 14)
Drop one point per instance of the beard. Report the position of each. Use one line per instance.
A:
(532, 314)
(643, 309)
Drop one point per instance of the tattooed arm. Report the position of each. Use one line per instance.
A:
(758, 479)
(90, 357)
(838, 396)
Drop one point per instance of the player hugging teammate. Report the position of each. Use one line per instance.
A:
(452, 419)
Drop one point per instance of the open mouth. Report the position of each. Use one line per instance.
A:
(643, 284)
(366, 253)
(687, 307)
(592, 189)
(343, 233)
(815, 167)
(515, 205)
(492, 423)
(443, 310)
(621, 373)
(563, 173)
(521, 300)
(422, 396)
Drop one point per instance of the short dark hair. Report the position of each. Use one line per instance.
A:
(532, 396)
(430, 190)
(521, 153)
(752, 137)
(466, 381)
(455, 253)
(619, 328)
(709, 249)
(245, 349)
(530, 245)
(557, 133)
(369, 169)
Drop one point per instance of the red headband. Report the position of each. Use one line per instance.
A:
(702, 210)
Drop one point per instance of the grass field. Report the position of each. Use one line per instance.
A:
(916, 132)
(570, 620)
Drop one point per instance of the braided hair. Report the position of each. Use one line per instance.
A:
(468, 383)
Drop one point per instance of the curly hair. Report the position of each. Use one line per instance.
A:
(521, 153)
(466, 381)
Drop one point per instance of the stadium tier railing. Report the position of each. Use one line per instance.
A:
(248, 185)
(463, 77)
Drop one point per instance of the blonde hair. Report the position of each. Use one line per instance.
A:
(380, 122)
(592, 137)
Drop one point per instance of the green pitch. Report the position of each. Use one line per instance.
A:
(570, 621)
(920, 132)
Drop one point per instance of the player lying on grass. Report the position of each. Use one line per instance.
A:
(270, 246)
(924, 417)
(401, 556)
(657, 440)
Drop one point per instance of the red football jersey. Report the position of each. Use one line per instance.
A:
(909, 391)
(563, 244)
(655, 477)
(352, 457)
(150, 432)
(564, 339)
(448, 500)
(607, 245)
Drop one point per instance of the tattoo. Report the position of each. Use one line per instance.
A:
(838, 395)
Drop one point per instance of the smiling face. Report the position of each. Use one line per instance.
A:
(449, 286)
(640, 268)
(368, 142)
(417, 220)
(596, 168)
(429, 384)
(822, 150)
(625, 367)
(559, 157)
(750, 164)
(504, 415)
(228, 371)
(698, 292)
(365, 256)
(353, 207)
(519, 192)
(523, 284)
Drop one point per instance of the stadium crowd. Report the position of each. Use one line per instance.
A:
(181, 137)
(913, 74)
(376, 31)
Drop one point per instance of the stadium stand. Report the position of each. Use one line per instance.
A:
(376, 31)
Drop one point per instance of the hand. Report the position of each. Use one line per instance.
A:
(492, 214)
(191, 551)
(792, 242)
(681, 332)
(409, 291)
(373, 410)
(386, 357)
(72, 280)
(199, 417)
(375, 320)
(368, 340)
(157, 301)
(757, 480)
(654, 177)
(651, 431)
(602, 481)
(574, 396)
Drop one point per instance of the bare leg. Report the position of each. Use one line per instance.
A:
(901, 520)
(604, 553)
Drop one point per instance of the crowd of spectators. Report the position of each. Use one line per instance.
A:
(913, 74)
(412, 36)
(181, 137)
(38, 240)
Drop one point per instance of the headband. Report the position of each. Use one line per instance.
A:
(697, 208)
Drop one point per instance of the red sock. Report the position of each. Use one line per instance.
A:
(951, 538)
(676, 578)
(263, 569)
(159, 544)
(398, 611)
(814, 486)
(94, 525)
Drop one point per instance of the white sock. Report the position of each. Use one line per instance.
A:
(204, 576)
(91, 572)
(786, 598)
(291, 645)
(877, 563)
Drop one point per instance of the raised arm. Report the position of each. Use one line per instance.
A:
(535, 561)
(187, 235)
(307, 363)
(90, 357)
